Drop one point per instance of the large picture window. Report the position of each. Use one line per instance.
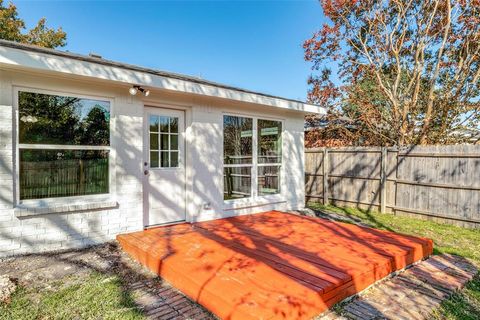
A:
(63, 146)
(252, 150)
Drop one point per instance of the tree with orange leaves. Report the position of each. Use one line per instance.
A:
(408, 70)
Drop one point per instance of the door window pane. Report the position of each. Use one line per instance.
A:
(173, 159)
(237, 182)
(62, 173)
(173, 142)
(173, 125)
(154, 123)
(269, 141)
(62, 120)
(164, 159)
(268, 180)
(153, 141)
(154, 159)
(237, 140)
(164, 124)
(164, 141)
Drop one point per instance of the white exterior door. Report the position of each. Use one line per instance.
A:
(164, 166)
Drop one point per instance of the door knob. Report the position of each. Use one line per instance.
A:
(145, 172)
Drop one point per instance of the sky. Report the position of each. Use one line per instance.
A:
(255, 45)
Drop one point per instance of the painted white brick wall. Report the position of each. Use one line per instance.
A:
(204, 151)
(72, 229)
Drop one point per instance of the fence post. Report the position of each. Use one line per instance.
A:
(383, 180)
(325, 176)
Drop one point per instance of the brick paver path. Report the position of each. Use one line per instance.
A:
(160, 301)
(412, 294)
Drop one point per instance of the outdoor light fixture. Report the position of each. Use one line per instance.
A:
(133, 91)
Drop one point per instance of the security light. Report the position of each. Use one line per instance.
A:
(133, 91)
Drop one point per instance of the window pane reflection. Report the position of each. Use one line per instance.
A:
(237, 140)
(62, 173)
(62, 120)
(268, 180)
(237, 182)
(269, 141)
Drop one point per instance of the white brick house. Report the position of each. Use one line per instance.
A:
(86, 155)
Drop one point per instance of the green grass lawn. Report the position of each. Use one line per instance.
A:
(463, 305)
(95, 297)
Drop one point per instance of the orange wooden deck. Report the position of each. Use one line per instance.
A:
(272, 265)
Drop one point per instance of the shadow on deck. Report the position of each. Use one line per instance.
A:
(272, 265)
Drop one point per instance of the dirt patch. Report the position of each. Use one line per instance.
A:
(39, 269)
(7, 287)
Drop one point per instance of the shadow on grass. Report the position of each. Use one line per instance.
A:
(464, 304)
(332, 213)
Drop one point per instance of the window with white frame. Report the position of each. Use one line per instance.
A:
(64, 145)
(252, 156)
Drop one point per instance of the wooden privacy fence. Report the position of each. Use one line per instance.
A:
(440, 182)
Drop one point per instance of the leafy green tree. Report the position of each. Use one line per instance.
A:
(49, 119)
(95, 128)
(53, 119)
(13, 28)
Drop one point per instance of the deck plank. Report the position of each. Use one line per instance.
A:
(272, 265)
(373, 240)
